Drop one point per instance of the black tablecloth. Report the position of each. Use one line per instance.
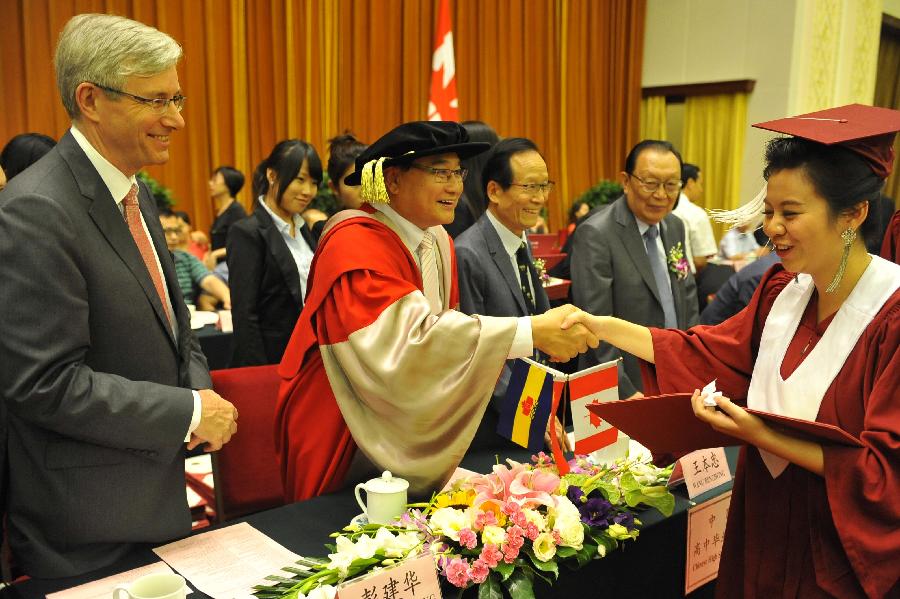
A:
(652, 566)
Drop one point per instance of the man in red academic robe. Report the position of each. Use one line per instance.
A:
(381, 371)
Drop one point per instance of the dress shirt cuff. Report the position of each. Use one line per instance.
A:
(522, 345)
(195, 417)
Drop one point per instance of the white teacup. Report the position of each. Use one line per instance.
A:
(153, 586)
(385, 498)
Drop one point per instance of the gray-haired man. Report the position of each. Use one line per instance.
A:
(99, 365)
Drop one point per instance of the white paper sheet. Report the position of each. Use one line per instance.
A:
(226, 563)
(103, 588)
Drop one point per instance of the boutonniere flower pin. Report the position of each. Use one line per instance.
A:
(541, 268)
(677, 262)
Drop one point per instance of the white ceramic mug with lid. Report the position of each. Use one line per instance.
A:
(385, 498)
(153, 586)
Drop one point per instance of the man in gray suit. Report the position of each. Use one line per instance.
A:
(101, 377)
(496, 270)
(628, 260)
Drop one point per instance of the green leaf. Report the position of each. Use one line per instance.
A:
(565, 552)
(504, 570)
(519, 586)
(550, 566)
(490, 588)
(586, 554)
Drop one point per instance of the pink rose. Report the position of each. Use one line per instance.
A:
(479, 571)
(457, 572)
(490, 555)
(467, 538)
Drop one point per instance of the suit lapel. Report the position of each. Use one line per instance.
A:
(502, 261)
(280, 252)
(111, 223)
(541, 302)
(634, 245)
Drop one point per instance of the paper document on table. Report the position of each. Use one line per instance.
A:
(227, 562)
(103, 588)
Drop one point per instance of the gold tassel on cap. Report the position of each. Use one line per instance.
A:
(372, 182)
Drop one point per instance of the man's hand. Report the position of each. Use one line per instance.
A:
(560, 434)
(218, 421)
(561, 345)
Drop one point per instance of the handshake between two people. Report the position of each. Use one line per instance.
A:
(562, 333)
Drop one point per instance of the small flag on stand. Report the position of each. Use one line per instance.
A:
(443, 104)
(593, 385)
(526, 408)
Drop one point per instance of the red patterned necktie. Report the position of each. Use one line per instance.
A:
(133, 218)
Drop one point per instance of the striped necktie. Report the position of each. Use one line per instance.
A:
(133, 218)
(661, 276)
(430, 283)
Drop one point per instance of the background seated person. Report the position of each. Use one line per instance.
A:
(192, 274)
(24, 150)
(739, 244)
(224, 185)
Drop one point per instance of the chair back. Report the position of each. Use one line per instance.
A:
(246, 472)
(543, 243)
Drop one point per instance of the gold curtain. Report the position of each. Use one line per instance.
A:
(714, 130)
(653, 118)
(565, 73)
(887, 95)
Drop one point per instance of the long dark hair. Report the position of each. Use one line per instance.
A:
(286, 159)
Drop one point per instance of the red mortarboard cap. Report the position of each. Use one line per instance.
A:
(866, 130)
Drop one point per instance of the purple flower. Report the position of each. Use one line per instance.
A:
(594, 508)
(626, 519)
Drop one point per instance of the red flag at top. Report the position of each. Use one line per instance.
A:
(442, 102)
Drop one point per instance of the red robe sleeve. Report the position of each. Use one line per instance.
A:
(890, 247)
(688, 360)
(863, 483)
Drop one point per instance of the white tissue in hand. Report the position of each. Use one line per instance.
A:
(709, 393)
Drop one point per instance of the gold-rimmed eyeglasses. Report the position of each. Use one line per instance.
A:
(442, 175)
(157, 105)
(536, 189)
(672, 188)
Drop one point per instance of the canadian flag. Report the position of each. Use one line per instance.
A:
(595, 385)
(442, 102)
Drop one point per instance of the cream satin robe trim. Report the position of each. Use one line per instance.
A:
(801, 394)
(413, 387)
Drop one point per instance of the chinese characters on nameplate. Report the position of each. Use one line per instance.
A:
(705, 537)
(703, 470)
(411, 579)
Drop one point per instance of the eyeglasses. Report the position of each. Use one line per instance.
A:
(157, 105)
(442, 175)
(671, 187)
(536, 189)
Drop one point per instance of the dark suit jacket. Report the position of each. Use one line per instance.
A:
(265, 289)
(488, 285)
(218, 232)
(95, 385)
(611, 276)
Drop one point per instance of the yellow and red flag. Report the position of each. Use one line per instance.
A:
(443, 104)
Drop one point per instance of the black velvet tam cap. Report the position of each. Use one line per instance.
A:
(416, 139)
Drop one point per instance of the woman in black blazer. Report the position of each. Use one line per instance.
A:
(269, 254)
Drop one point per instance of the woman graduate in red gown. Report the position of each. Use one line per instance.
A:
(819, 341)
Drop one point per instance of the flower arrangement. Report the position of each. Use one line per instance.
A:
(677, 262)
(541, 267)
(503, 530)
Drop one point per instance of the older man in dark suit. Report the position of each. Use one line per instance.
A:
(629, 261)
(101, 377)
(496, 270)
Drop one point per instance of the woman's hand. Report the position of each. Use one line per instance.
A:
(730, 419)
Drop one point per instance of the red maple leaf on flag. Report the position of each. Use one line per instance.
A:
(443, 102)
(595, 420)
(527, 405)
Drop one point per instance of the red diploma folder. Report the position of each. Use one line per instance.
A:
(666, 424)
